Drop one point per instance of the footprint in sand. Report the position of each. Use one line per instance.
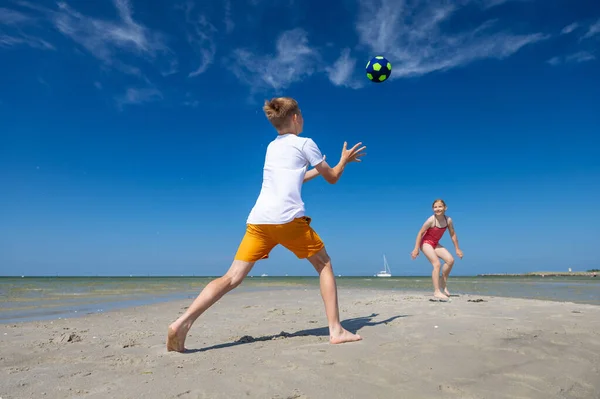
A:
(69, 337)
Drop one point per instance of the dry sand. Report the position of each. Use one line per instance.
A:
(275, 345)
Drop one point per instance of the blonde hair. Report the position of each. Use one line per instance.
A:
(438, 200)
(279, 110)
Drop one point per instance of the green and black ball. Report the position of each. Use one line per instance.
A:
(379, 69)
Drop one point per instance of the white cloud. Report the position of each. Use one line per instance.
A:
(134, 96)
(292, 61)
(413, 39)
(414, 35)
(554, 61)
(103, 38)
(341, 71)
(200, 36)
(14, 21)
(493, 3)
(592, 31)
(581, 56)
(108, 40)
(569, 28)
(7, 41)
(10, 17)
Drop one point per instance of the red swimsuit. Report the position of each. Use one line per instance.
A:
(433, 234)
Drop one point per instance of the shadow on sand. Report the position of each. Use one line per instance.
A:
(352, 325)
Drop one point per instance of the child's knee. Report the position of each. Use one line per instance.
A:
(320, 260)
(233, 280)
(450, 262)
(436, 265)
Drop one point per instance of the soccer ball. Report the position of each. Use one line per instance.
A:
(379, 69)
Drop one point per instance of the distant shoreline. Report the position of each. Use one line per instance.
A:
(540, 274)
(316, 277)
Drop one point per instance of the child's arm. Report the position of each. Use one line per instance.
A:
(311, 174)
(422, 231)
(454, 237)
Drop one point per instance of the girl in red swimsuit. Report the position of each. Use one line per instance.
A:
(428, 240)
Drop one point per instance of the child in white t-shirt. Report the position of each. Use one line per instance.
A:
(278, 218)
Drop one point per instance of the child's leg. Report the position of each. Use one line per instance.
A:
(435, 274)
(322, 264)
(298, 237)
(448, 263)
(210, 294)
(256, 244)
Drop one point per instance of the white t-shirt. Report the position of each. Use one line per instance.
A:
(286, 162)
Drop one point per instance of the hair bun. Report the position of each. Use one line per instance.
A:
(278, 110)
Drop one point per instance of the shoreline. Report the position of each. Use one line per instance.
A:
(68, 300)
(307, 276)
(541, 274)
(274, 344)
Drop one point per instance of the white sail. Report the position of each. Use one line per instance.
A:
(386, 272)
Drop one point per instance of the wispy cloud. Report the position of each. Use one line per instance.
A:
(418, 36)
(200, 35)
(7, 41)
(10, 17)
(578, 57)
(341, 72)
(12, 33)
(294, 59)
(412, 37)
(569, 28)
(134, 96)
(106, 39)
(581, 56)
(586, 52)
(593, 30)
(110, 40)
(493, 3)
(554, 61)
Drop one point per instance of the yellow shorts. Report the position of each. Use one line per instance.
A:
(297, 236)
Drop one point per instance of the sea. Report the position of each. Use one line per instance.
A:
(45, 298)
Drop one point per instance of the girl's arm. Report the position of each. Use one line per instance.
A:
(454, 237)
(424, 228)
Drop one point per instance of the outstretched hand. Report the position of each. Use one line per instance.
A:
(353, 154)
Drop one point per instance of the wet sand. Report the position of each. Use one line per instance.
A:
(274, 344)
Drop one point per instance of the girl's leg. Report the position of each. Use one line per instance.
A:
(435, 275)
(448, 263)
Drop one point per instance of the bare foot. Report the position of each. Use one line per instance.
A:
(440, 296)
(446, 291)
(176, 339)
(344, 336)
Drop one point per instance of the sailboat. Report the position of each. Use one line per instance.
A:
(386, 272)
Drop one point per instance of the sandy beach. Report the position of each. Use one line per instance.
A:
(274, 344)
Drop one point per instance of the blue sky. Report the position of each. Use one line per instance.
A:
(132, 136)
